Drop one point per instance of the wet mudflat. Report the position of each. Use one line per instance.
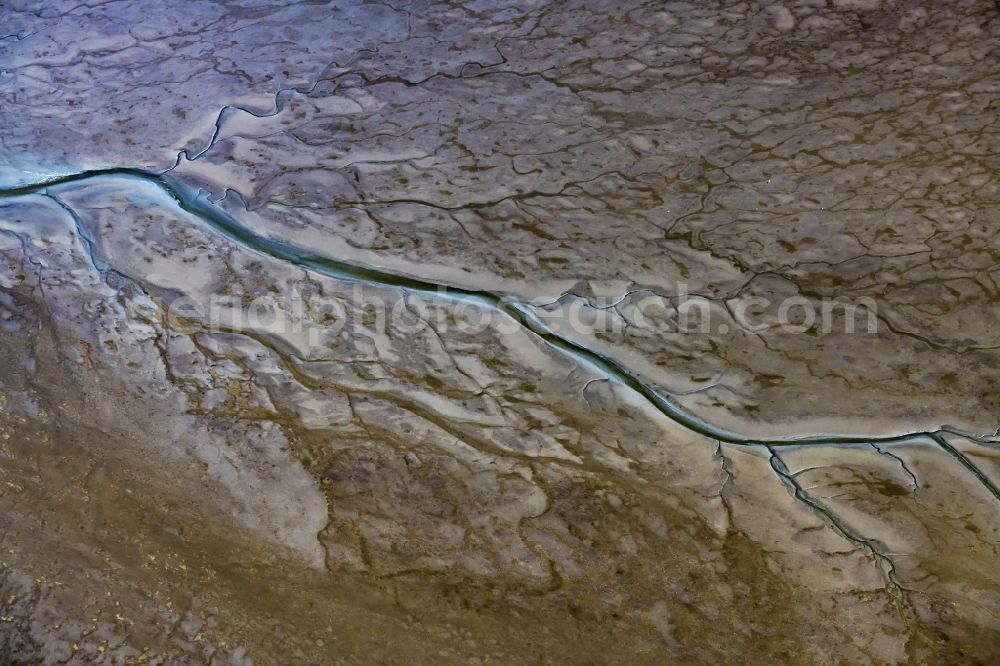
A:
(499, 333)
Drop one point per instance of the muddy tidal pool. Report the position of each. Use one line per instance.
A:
(492, 332)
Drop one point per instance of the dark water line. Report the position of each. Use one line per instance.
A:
(885, 562)
(81, 230)
(198, 205)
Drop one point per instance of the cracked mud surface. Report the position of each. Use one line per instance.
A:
(354, 474)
